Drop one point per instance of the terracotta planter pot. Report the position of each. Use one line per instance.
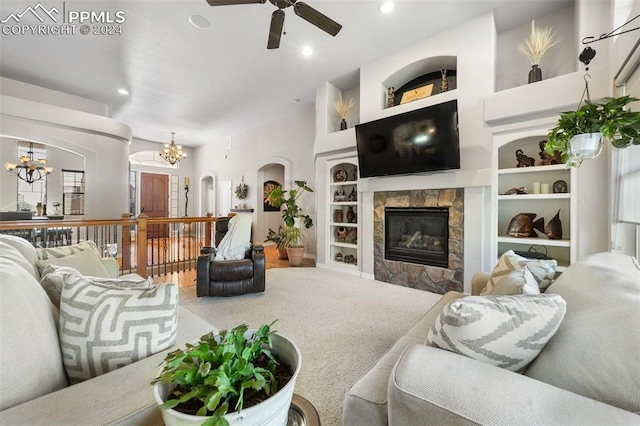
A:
(295, 255)
(282, 252)
(271, 412)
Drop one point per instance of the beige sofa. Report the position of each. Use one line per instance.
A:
(32, 377)
(587, 374)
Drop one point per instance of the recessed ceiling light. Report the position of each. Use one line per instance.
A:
(200, 22)
(307, 51)
(123, 91)
(387, 7)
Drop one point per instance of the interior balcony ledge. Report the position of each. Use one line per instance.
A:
(545, 98)
(342, 140)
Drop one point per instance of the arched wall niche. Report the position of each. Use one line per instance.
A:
(207, 185)
(418, 68)
(274, 168)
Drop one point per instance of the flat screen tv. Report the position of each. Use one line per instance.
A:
(422, 140)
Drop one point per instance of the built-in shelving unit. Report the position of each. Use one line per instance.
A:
(342, 249)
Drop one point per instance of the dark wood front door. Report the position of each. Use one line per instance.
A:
(154, 201)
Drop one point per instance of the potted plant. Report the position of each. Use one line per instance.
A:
(280, 239)
(235, 377)
(293, 217)
(579, 134)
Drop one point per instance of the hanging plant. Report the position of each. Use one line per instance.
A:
(242, 191)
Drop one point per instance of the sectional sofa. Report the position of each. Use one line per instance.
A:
(34, 382)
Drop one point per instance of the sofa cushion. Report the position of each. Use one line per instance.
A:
(595, 351)
(54, 277)
(62, 251)
(542, 270)
(30, 361)
(518, 281)
(87, 262)
(26, 249)
(11, 253)
(104, 327)
(505, 331)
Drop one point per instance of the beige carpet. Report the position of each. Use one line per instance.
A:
(342, 324)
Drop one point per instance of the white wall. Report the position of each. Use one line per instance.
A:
(289, 138)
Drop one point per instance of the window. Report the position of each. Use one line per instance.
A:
(72, 192)
(29, 195)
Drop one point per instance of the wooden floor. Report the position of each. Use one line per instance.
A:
(188, 278)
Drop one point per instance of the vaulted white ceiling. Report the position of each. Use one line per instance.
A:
(208, 83)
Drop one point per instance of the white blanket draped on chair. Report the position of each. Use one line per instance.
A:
(237, 239)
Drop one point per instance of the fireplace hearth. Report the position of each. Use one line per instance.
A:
(417, 235)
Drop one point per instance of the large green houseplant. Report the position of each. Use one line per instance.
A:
(293, 216)
(234, 376)
(610, 120)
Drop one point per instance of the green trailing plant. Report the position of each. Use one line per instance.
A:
(286, 200)
(214, 374)
(611, 118)
(278, 238)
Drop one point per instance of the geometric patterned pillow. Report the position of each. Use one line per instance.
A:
(518, 281)
(103, 328)
(505, 331)
(54, 277)
(542, 270)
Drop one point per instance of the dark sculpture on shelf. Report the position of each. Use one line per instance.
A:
(548, 159)
(523, 225)
(523, 160)
(553, 230)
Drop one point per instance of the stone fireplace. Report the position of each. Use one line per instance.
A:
(418, 238)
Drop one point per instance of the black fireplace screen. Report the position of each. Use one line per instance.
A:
(417, 235)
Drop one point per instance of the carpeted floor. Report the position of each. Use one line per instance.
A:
(341, 323)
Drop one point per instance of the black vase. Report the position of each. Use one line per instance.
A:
(535, 74)
(343, 124)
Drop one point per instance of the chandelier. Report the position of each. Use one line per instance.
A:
(29, 170)
(172, 153)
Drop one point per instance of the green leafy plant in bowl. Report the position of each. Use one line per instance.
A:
(611, 119)
(222, 373)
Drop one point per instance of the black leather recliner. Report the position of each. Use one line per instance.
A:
(229, 277)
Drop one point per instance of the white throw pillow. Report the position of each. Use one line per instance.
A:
(86, 262)
(103, 327)
(62, 251)
(518, 281)
(11, 253)
(505, 331)
(542, 270)
(54, 277)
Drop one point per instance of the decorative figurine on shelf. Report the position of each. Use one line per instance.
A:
(553, 230)
(523, 225)
(339, 195)
(391, 97)
(513, 191)
(338, 216)
(353, 236)
(341, 233)
(338, 257)
(444, 84)
(523, 160)
(548, 159)
(349, 259)
(351, 215)
(353, 196)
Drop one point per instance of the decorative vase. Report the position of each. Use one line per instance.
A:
(535, 74)
(586, 145)
(338, 216)
(553, 230)
(282, 251)
(351, 215)
(272, 411)
(295, 255)
(39, 209)
(343, 124)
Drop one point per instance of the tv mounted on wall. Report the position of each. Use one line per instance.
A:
(423, 140)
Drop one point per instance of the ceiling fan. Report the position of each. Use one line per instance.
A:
(301, 9)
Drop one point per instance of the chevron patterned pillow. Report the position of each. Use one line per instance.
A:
(505, 331)
(104, 327)
(542, 270)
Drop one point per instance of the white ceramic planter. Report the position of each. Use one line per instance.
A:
(272, 412)
(586, 145)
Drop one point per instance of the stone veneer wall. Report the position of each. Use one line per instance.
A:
(424, 277)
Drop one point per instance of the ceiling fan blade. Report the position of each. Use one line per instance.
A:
(321, 21)
(233, 2)
(275, 31)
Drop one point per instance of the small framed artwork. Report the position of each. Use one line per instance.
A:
(268, 187)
